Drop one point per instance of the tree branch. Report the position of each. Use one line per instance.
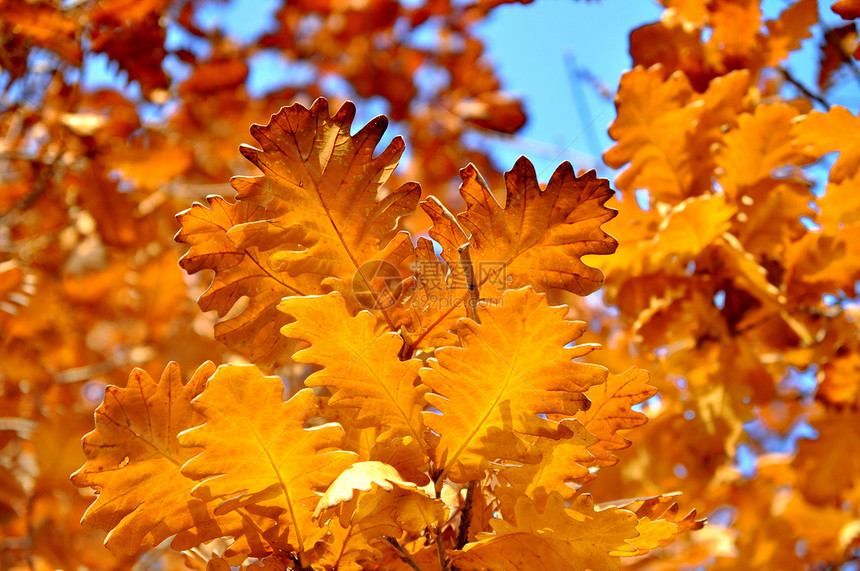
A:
(803, 89)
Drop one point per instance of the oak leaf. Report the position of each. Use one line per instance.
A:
(562, 461)
(134, 460)
(538, 237)
(691, 226)
(361, 367)
(790, 28)
(372, 502)
(652, 130)
(512, 368)
(239, 272)
(612, 410)
(761, 143)
(273, 461)
(835, 130)
(321, 187)
(557, 537)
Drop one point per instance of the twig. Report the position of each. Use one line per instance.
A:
(466, 516)
(803, 89)
(443, 560)
(471, 282)
(403, 553)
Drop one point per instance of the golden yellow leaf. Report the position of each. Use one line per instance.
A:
(652, 131)
(611, 410)
(256, 451)
(792, 26)
(836, 130)
(134, 460)
(691, 226)
(840, 204)
(361, 367)
(559, 537)
(658, 523)
(562, 461)
(827, 467)
(760, 144)
(510, 369)
(373, 502)
(539, 236)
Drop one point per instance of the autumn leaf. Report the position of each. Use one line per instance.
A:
(691, 226)
(836, 130)
(511, 368)
(45, 25)
(540, 235)
(320, 185)
(760, 144)
(659, 522)
(652, 129)
(239, 272)
(563, 461)
(793, 25)
(361, 367)
(134, 460)
(847, 9)
(256, 451)
(557, 537)
(612, 410)
(368, 502)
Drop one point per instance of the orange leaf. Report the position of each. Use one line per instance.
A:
(559, 537)
(239, 272)
(539, 236)
(652, 130)
(256, 451)
(46, 26)
(134, 460)
(692, 226)
(320, 186)
(361, 367)
(512, 368)
(847, 9)
(373, 502)
(835, 130)
(792, 26)
(562, 461)
(761, 143)
(612, 410)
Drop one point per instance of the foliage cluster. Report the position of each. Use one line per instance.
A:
(430, 435)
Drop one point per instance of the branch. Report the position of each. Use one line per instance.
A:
(803, 89)
(403, 553)
(466, 516)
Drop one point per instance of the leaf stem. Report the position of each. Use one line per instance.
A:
(403, 553)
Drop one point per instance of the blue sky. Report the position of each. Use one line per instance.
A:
(534, 48)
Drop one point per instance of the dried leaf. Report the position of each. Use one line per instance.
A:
(239, 272)
(612, 410)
